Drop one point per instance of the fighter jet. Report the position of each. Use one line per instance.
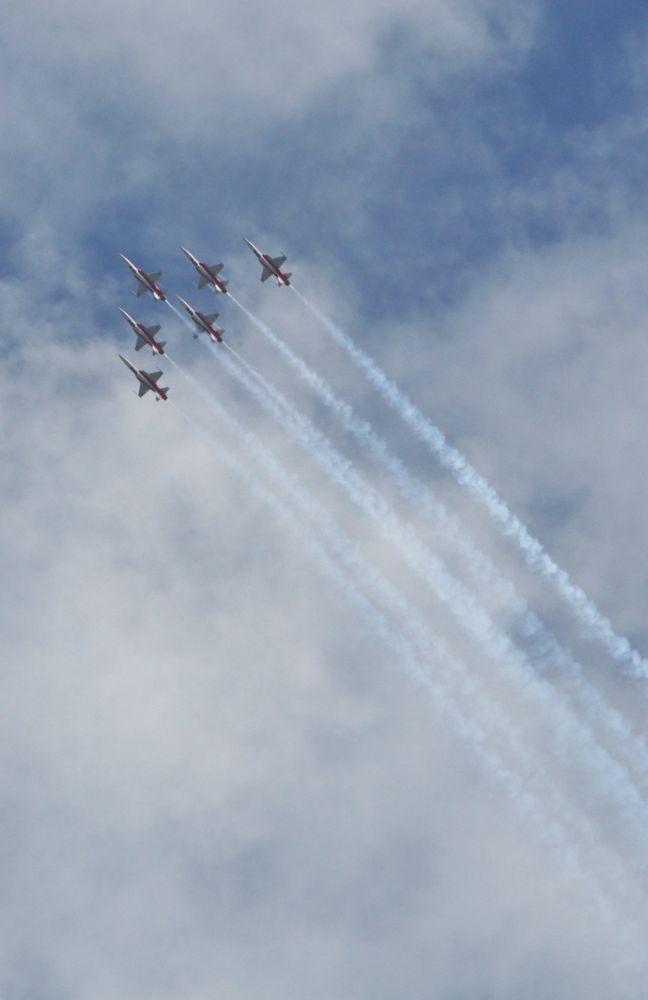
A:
(208, 272)
(205, 323)
(145, 334)
(147, 380)
(270, 265)
(146, 282)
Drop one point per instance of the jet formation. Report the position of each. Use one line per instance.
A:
(208, 274)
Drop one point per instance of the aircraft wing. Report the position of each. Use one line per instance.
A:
(153, 329)
(140, 342)
(266, 273)
(143, 389)
(141, 289)
(215, 268)
(155, 376)
(158, 274)
(202, 281)
(278, 261)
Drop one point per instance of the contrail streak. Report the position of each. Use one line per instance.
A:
(183, 319)
(615, 781)
(626, 744)
(511, 782)
(552, 834)
(573, 739)
(451, 459)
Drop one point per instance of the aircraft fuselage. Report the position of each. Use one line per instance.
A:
(266, 261)
(202, 322)
(141, 331)
(203, 270)
(145, 379)
(143, 278)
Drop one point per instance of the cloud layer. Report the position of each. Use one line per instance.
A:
(216, 777)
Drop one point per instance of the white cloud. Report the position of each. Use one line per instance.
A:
(216, 776)
(268, 63)
(98, 98)
(217, 779)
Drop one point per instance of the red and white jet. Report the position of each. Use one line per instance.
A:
(270, 265)
(145, 334)
(146, 282)
(203, 322)
(148, 381)
(208, 272)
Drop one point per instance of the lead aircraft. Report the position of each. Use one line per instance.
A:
(270, 265)
(209, 273)
(148, 381)
(145, 334)
(146, 282)
(204, 322)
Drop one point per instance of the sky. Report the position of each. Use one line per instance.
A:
(286, 712)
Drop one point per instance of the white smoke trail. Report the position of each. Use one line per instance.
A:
(552, 834)
(625, 743)
(574, 741)
(497, 646)
(183, 319)
(615, 781)
(451, 459)
(347, 560)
